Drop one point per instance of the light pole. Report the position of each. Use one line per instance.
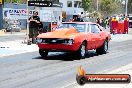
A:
(126, 7)
(97, 5)
(27, 41)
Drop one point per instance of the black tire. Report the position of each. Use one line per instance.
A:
(81, 53)
(103, 49)
(8, 30)
(81, 80)
(43, 53)
(29, 42)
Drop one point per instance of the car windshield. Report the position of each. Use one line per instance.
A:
(79, 27)
(87, 19)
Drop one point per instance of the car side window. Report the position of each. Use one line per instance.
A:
(94, 28)
(87, 27)
(80, 28)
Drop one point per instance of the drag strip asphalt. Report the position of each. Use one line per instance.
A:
(30, 70)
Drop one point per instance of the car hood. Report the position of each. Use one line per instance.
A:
(60, 33)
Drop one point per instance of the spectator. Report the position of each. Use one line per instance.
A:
(105, 22)
(78, 18)
(40, 28)
(33, 27)
(110, 24)
(102, 22)
(98, 21)
(114, 24)
(126, 24)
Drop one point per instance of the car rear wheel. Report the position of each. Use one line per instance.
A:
(43, 53)
(82, 51)
(103, 49)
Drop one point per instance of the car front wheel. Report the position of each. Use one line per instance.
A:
(103, 49)
(81, 53)
(43, 53)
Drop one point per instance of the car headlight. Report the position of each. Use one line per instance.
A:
(39, 40)
(69, 41)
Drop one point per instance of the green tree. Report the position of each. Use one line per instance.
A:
(86, 4)
(8, 1)
(15, 1)
(130, 6)
(108, 7)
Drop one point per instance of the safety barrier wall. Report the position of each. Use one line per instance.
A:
(120, 27)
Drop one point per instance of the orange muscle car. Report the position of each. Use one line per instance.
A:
(77, 37)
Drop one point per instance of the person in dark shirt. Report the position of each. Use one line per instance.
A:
(78, 19)
(41, 28)
(33, 26)
(98, 21)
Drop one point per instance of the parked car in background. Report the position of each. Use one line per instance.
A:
(130, 21)
(13, 26)
(74, 37)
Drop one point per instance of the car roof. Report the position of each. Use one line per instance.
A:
(81, 22)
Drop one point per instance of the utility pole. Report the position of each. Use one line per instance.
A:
(27, 23)
(97, 5)
(126, 7)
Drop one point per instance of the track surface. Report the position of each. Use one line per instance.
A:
(29, 70)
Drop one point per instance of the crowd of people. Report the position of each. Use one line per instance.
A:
(112, 22)
(103, 22)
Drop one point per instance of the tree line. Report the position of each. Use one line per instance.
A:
(16, 1)
(106, 7)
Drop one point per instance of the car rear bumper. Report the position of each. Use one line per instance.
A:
(59, 47)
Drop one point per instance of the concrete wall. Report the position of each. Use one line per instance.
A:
(1, 17)
(19, 6)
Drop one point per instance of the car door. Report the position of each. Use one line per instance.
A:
(88, 37)
(102, 35)
(95, 36)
